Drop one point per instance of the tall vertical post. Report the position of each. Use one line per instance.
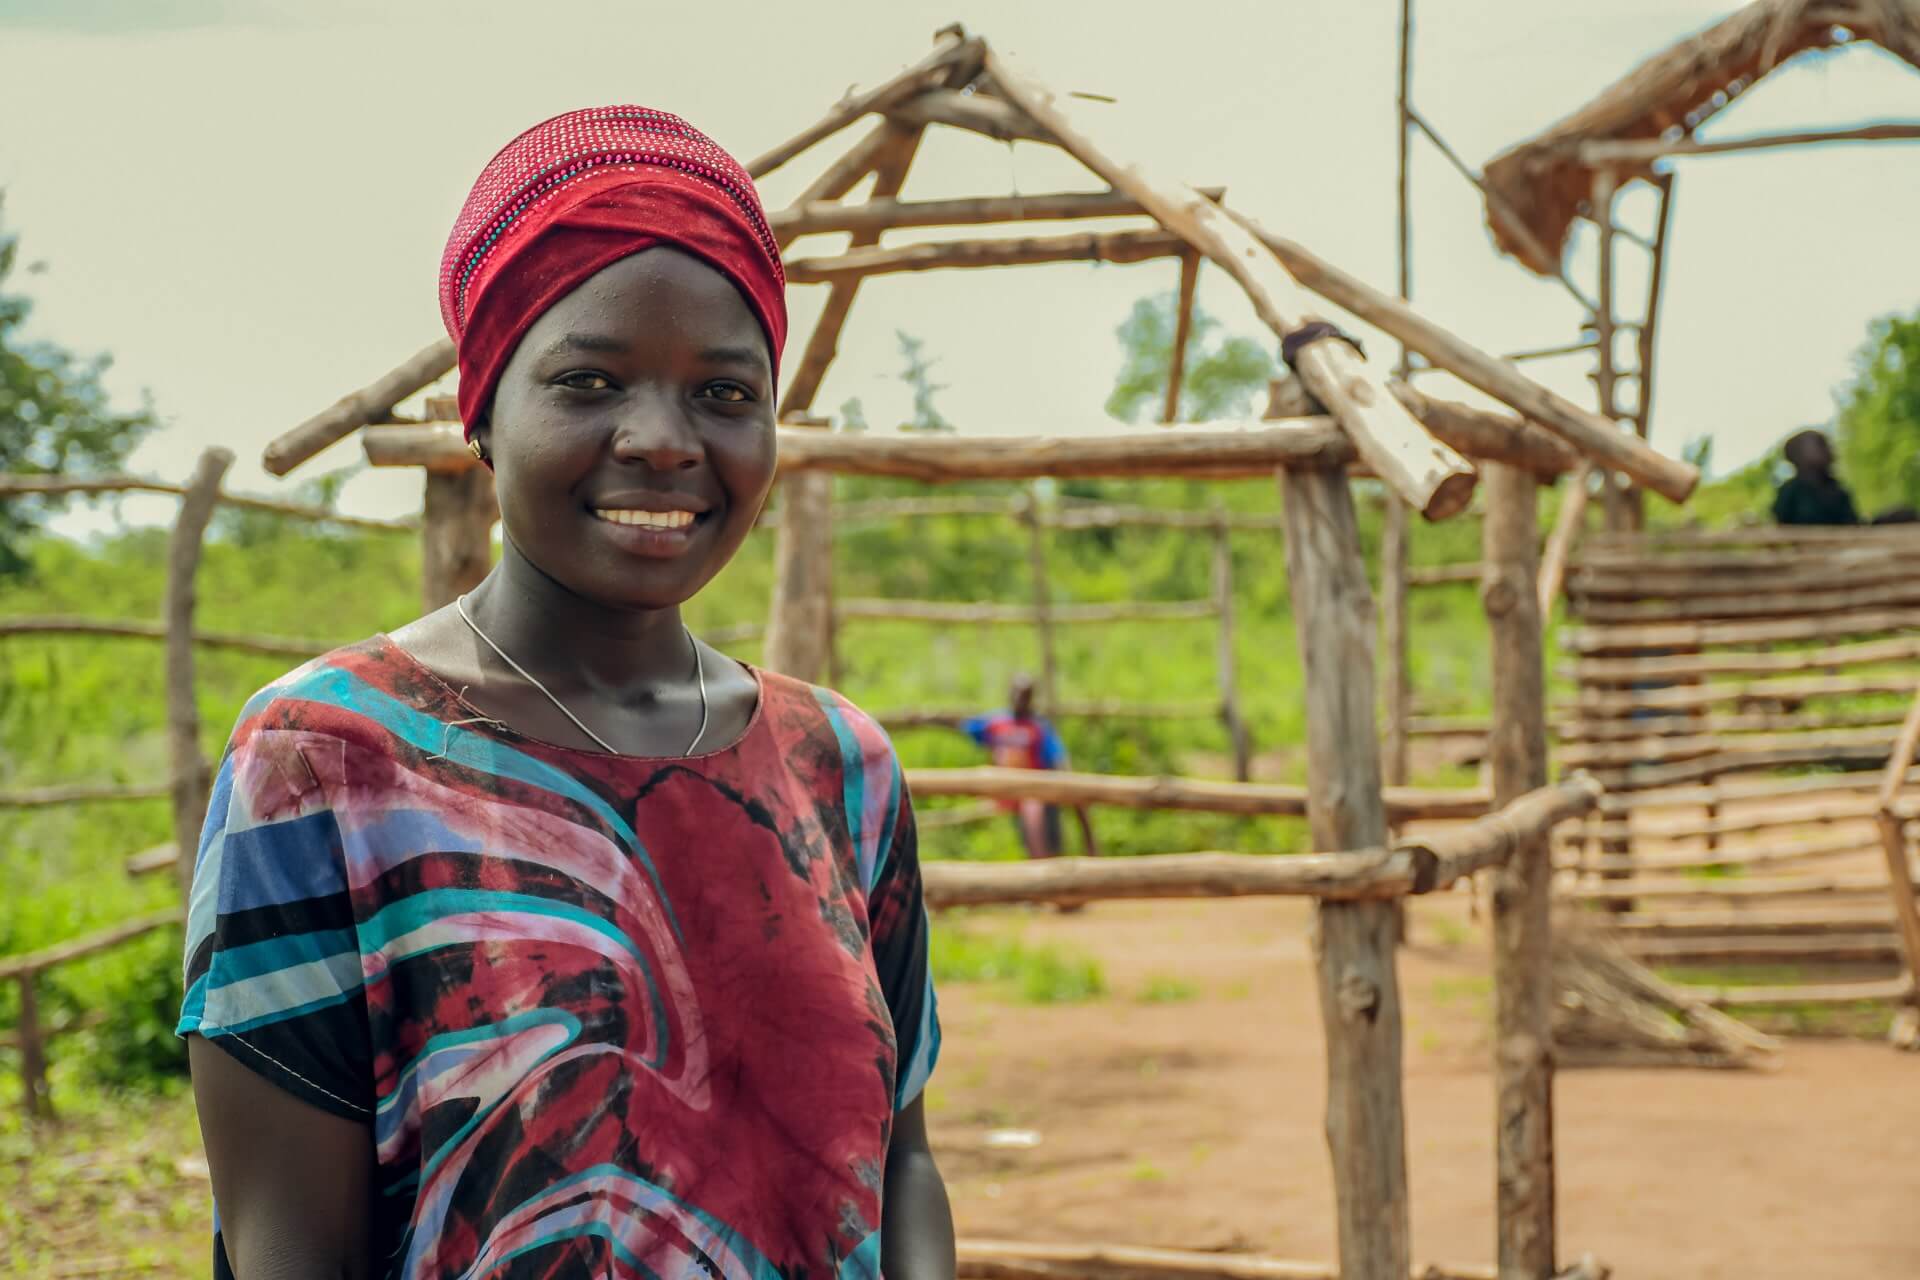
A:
(1522, 921)
(800, 625)
(192, 777)
(1182, 333)
(1606, 376)
(1042, 600)
(33, 1048)
(1225, 661)
(456, 534)
(1393, 545)
(1353, 941)
(1650, 323)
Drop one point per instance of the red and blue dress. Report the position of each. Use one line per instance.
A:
(606, 1016)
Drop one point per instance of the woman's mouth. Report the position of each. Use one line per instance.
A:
(644, 519)
(658, 535)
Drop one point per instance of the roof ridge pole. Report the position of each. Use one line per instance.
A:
(1430, 475)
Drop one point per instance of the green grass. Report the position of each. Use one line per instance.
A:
(1161, 988)
(1029, 974)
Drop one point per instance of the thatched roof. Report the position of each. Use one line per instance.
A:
(1543, 181)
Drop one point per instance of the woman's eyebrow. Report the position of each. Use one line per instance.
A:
(748, 355)
(592, 343)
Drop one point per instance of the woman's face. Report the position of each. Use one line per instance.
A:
(632, 432)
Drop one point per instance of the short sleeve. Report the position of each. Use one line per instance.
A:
(273, 972)
(899, 933)
(1053, 752)
(979, 728)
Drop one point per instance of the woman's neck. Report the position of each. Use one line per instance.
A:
(570, 641)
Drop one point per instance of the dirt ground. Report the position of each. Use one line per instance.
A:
(1195, 1121)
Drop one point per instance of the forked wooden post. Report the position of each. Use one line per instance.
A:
(1042, 601)
(192, 778)
(456, 534)
(1226, 663)
(1522, 924)
(1353, 941)
(1893, 840)
(800, 622)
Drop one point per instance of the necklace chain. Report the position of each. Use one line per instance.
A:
(699, 672)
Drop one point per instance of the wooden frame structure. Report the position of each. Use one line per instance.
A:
(1346, 416)
(1707, 665)
(1535, 190)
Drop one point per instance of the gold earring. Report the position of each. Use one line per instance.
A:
(479, 454)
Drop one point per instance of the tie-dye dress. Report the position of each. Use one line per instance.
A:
(606, 1016)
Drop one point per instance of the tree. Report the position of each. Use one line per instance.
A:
(918, 375)
(54, 417)
(1878, 423)
(1223, 374)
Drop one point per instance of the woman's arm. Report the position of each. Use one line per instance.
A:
(916, 1237)
(291, 1181)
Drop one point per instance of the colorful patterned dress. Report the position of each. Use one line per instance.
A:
(606, 1016)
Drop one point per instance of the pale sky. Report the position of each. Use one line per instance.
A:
(245, 200)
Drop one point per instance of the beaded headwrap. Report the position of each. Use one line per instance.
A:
(572, 196)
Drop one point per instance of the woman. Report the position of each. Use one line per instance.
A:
(538, 938)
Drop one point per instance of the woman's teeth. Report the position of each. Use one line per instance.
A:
(645, 519)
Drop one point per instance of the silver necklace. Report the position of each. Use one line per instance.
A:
(699, 673)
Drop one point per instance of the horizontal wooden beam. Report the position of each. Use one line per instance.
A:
(1754, 922)
(1889, 989)
(1633, 151)
(127, 628)
(17, 486)
(966, 612)
(1706, 635)
(946, 255)
(1743, 889)
(1681, 697)
(1828, 949)
(92, 944)
(1249, 799)
(83, 793)
(1899, 590)
(351, 412)
(950, 717)
(892, 215)
(1482, 434)
(1412, 867)
(1023, 1260)
(1696, 666)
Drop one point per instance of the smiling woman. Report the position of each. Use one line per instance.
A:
(557, 943)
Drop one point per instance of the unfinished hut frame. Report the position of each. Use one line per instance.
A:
(1632, 131)
(1339, 415)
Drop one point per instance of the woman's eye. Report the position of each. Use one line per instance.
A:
(585, 380)
(729, 392)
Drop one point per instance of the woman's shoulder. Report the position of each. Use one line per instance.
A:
(329, 695)
(796, 703)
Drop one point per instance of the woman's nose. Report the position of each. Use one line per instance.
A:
(655, 431)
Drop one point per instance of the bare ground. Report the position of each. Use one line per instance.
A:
(1195, 1122)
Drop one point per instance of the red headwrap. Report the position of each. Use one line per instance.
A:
(578, 193)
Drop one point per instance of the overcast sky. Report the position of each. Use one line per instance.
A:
(245, 200)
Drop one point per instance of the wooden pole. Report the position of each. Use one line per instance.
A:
(33, 1052)
(456, 534)
(1657, 272)
(800, 622)
(1042, 602)
(1522, 925)
(976, 113)
(1393, 547)
(951, 46)
(1353, 941)
(1429, 475)
(827, 214)
(369, 404)
(1638, 151)
(893, 156)
(1140, 245)
(1606, 377)
(192, 778)
(1226, 664)
(1182, 334)
(1893, 839)
(1566, 532)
